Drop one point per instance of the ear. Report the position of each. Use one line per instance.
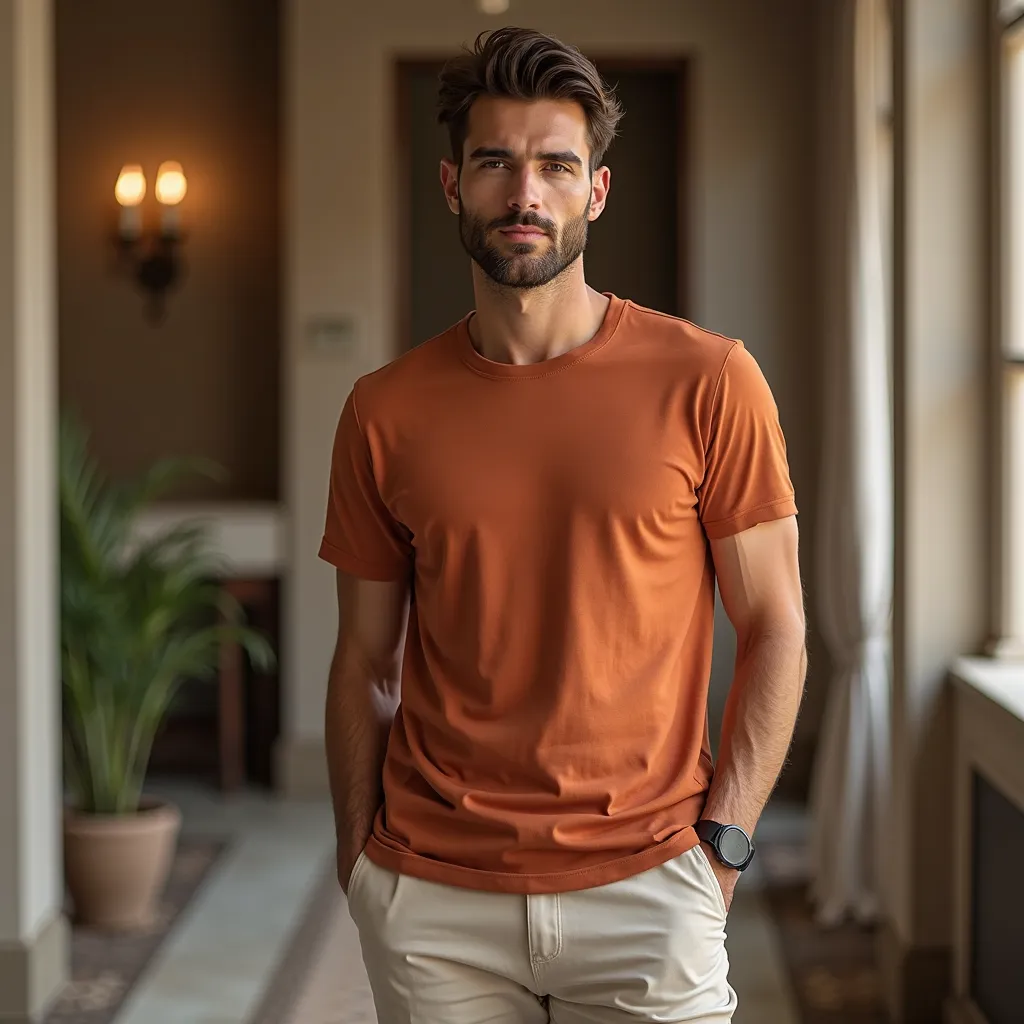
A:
(600, 183)
(450, 184)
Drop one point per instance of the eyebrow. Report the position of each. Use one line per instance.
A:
(565, 156)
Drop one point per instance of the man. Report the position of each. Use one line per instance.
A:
(527, 515)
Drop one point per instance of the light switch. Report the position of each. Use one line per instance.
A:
(334, 336)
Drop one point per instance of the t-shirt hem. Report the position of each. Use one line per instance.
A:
(357, 567)
(526, 884)
(780, 508)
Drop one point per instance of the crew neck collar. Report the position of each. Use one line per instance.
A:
(514, 371)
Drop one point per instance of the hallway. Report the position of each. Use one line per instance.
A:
(848, 202)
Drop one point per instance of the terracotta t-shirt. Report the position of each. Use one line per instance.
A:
(554, 522)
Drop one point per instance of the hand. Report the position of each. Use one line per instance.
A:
(346, 858)
(727, 877)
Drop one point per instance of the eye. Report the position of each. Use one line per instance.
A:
(493, 163)
(559, 168)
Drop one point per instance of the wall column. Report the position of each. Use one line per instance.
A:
(941, 335)
(33, 934)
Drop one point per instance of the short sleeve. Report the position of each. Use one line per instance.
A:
(746, 472)
(361, 536)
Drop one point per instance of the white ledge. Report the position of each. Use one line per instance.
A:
(1000, 681)
(988, 731)
(250, 536)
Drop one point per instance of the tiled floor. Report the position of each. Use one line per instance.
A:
(338, 992)
(216, 965)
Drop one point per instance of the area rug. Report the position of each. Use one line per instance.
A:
(832, 971)
(105, 967)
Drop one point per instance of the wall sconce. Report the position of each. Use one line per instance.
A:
(152, 260)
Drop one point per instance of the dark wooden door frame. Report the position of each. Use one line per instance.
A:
(405, 67)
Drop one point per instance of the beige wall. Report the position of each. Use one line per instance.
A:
(943, 328)
(751, 246)
(33, 937)
(942, 609)
(28, 685)
(194, 81)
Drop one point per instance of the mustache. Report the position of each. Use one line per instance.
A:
(526, 219)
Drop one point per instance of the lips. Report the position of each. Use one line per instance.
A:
(522, 233)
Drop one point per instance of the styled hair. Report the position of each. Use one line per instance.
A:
(522, 64)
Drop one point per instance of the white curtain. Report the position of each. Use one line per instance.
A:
(853, 579)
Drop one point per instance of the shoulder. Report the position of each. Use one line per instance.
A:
(403, 381)
(677, 339)
(719, 373)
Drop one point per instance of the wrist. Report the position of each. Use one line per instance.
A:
(352, 841)
(730, 844)
(729, 812)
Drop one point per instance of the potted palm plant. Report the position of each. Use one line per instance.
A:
(138, 617)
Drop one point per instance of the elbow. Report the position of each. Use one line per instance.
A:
(780, 633)
(358, 673)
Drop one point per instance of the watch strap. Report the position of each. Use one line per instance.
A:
(708, 831)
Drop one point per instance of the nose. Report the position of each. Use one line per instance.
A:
(524, 193)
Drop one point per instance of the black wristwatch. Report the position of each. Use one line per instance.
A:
(732, 846)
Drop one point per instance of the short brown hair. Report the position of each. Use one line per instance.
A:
(522, 64)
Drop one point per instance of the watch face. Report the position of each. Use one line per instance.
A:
(734, 844)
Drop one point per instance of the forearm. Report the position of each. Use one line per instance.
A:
(359, 712)
(757, 728)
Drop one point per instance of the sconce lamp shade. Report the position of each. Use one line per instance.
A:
(151, 258)
(131, 185)
(171, 184)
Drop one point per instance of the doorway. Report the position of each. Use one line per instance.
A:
(636, 249)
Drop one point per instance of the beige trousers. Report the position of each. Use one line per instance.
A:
(649, 948)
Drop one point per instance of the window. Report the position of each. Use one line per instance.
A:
(1010, 318)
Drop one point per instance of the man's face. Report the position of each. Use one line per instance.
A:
(525, 195)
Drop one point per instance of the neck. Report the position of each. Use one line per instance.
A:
(528, 325)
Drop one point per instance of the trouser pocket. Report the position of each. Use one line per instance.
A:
(357, 873)
(711, 878)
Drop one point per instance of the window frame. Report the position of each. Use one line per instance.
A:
(1008, 315)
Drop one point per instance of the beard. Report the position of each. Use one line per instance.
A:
(523, 269)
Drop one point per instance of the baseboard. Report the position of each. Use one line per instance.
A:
(963, 1010)
(916, 980)
(33, 972)
(301, 768)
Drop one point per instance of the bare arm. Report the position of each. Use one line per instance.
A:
(362, 697)
(759, 580)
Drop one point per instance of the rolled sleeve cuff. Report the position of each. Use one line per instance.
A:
(346, 562)
(767, 512)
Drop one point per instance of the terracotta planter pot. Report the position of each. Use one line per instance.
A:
(116, 866)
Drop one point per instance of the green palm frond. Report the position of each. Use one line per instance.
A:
(138, 617)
